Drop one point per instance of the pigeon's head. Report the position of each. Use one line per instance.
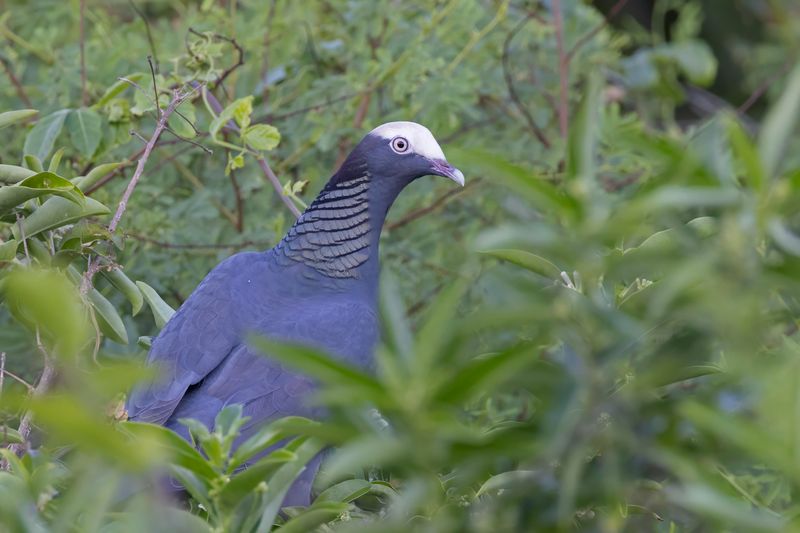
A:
(404, 151)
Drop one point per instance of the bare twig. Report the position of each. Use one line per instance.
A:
(316, 107)
(2, 370)
(237, 194)
(17, 378)
(267, 41)
(15, 82)
(436, 204)
(155, 86)
(82, 16)
(276, 184)
(178, 97)
(197, 246)
(512, 92)
(613, 12)
(150, 40)
(763, 87)
(563, 70)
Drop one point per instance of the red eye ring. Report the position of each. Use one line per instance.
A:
(399, 145)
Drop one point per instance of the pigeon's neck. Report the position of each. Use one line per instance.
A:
(338, 235)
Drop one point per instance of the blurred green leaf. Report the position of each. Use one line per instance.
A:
(41, 138)
(12, 117)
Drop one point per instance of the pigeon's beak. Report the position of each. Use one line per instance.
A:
(440, 167)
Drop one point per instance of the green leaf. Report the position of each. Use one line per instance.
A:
(508, 480)
(316, 364)
(12, 117)
(118, 87)
(268, 435)
(261, 137)
(482, 374)
(10, 435)
(180, 451)
(179, 124)
(780, 122)
(313, 517)
(162, 312)
(246, 481)
(55, 161)
(40, 184)
(40, 139)
(127, 287)
(583, 136)
(14, 174)
(8, 250)
(523, 181)
(534, 263)
(695, 59)
(281, 480)
(96, 174)
(346, 491)
(84, 127)
(108, 320)
(57, 212)
(238, 109)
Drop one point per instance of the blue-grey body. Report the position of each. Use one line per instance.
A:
(318, 287)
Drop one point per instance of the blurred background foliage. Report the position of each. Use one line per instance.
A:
(598, 333)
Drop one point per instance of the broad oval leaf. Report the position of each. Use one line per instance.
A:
(84, 127)
(262, 137)
(40, 139)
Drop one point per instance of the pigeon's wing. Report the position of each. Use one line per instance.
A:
(266, 389)
(196, 340)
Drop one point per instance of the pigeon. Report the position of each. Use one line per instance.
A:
(318, 287)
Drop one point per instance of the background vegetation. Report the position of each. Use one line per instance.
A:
(598, 333)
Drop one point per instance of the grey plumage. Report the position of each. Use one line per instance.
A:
(318, 286)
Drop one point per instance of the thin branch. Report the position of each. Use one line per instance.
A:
(763, 87)
(276, 184)
(150, 40)
(613, 12)
(316, 107)
(15, 82)
(512, 92)
(2, 370)
(410, 217)
(195, 246)
(563, 70)
(237, 194)
(267, 41)
(155, 86)
(178, 97)
(82, 11)
(16, 377)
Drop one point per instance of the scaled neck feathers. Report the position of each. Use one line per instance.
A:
(338, 234)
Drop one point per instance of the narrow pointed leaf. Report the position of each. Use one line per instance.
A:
(40, 139)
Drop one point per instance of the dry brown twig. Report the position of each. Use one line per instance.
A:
(178, 97)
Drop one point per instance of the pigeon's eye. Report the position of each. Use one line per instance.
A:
(400, 145)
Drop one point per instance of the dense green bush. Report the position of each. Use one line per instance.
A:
(599, 332)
